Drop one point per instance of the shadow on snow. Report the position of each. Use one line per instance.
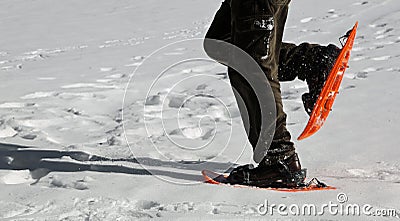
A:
(41, 162)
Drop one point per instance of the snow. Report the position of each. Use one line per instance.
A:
(77, 142)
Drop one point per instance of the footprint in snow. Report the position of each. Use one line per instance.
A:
(293, 109)
(361, 75)
(384, 31)
(349, 87)
(107, 69)
(88, 85)
(78, 184)
(361, 3)
(5, 61)
(201, 87)
(356, 49)
(290, 94)
(359, 58)
(12, 105)
(382, 58)
(46, 78)
(292, 123)
(135, 64)
(378, 25)
(306, 20)
(173, 53)
(138, 58)
(177, 51)
(39, 94)
(105, 81)
(176, 101)
(28, 136)
(153, 100)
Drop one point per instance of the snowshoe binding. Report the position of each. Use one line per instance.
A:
(281, 173)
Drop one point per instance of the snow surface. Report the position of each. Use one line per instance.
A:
(64, 129)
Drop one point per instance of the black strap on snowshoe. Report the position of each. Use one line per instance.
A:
(316, 182)
(244, 170)
(344, 38)
(295, 179)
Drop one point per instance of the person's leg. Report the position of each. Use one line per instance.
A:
(258, 29)
(308, 62)
(220, 29)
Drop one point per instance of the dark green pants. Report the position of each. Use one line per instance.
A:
(256, 26)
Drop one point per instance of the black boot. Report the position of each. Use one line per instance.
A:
(283, 171)
(321, 67)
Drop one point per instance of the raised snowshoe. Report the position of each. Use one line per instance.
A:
(327, 57)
